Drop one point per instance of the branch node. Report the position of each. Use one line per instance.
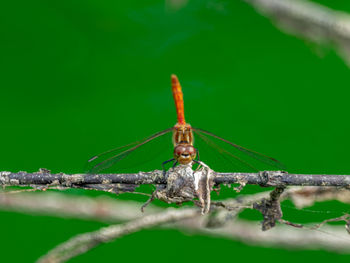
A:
(272, 178)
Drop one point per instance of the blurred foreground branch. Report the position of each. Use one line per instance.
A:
(111, 210)
(311, 21)
(106, 209)
(84, 242)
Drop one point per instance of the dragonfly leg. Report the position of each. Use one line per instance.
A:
(197, 159)
(198, 162)
(164, 163)
(197, 151)
(174, 164)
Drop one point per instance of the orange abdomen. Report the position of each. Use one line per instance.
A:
(178, 98)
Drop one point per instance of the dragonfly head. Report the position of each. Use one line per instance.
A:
(184, 153)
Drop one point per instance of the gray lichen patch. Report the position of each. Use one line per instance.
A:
(4, 177)
(5, 173)
(106, 181)
(55, 182)
(68, 180)
(14, 182)
(150, 177)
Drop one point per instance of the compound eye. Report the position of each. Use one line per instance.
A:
(179, 150)
(191, 150)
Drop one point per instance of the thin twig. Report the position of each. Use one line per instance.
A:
(84, 242)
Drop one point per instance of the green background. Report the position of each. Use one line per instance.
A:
(80, 77)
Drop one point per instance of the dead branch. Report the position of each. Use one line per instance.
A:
(265, 178)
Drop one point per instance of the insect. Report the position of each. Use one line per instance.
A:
(183, 142)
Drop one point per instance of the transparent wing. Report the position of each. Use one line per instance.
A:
(222, 154)
(132, 155)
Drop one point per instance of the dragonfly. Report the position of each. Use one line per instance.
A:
(184, 150)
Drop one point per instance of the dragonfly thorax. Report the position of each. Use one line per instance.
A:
(184, 153)
(182, 133)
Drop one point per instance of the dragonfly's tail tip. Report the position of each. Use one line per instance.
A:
(174, 78)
